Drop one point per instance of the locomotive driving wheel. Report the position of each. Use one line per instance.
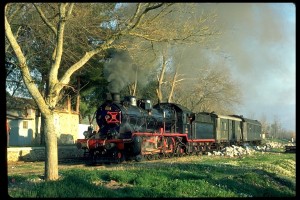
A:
(150, 157)
(179, 150)
(194, 151)
(170, 147)
(92, 158)
(138, 158)
(170, 155)
(161, 156)
(120, 157)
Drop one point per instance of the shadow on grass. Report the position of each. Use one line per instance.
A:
(159, 179)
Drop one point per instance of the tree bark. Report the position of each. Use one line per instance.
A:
(78, 95)
(172, 86)
(161, 78)
(51, 150)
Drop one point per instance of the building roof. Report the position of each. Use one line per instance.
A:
(17, 115)
(19, 103)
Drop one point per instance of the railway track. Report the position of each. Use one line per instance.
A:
(144, 158)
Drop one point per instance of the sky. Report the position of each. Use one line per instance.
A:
(260, 41)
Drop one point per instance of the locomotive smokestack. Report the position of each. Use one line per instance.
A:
(116, 97)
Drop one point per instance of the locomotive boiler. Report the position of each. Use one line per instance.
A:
(118, 120)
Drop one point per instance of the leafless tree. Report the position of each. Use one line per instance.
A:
(264, 124)
(211, 90)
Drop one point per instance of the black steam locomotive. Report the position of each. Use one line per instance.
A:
(134, 129)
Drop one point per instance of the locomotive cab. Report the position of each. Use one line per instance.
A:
(176, 117)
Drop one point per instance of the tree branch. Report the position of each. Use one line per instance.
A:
(45, 20)
(24, 68)
(59, 46)
(145, 12)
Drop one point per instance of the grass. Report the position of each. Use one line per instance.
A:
(258, 175)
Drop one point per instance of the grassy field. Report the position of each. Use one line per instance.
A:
(263, 174)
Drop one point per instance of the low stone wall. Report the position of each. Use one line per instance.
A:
(15, 154)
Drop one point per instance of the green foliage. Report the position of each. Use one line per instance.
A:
(93, 87)
(259, 175)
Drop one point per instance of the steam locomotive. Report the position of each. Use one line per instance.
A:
(134, 129)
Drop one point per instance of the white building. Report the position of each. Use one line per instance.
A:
(25, 123)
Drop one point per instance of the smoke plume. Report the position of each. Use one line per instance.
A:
(119, 71)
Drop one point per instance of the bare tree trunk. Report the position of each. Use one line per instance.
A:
(42, 140)
(78, 95)
(172, 86)
(44, 93)
(132, 87)
(135, 83)
(161, 78)
(51, 149)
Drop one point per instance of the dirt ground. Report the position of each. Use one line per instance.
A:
(22, 167)
(37, 167)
